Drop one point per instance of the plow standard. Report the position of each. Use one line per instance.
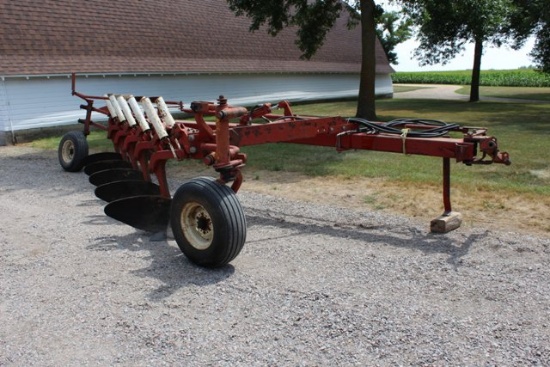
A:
(205, 215)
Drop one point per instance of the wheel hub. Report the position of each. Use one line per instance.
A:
(197, 226)
(204, 224)
(68, 151)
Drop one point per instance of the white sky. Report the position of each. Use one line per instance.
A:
(493, 58)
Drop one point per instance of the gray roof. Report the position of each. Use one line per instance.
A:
(134, 36)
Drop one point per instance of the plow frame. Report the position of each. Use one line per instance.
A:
(147, 137)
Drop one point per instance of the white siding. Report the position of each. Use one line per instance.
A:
(3, 112)
(44, 102)
(384, 85)
(40, 102)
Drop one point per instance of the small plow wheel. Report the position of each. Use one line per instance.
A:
(208, 222)
(73, 149)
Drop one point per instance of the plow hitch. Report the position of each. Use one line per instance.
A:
(205, 215)
(490, 153)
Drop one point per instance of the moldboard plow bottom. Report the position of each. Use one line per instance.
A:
(126, 188)
(145, 212)
(115, 174)
(205, 215)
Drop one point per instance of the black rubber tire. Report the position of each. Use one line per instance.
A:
(73, 148)
(208, 222)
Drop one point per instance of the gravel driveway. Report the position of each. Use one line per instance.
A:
(446, 91)
(314, 286)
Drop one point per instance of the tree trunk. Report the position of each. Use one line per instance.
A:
(365, 104)
(474, 87)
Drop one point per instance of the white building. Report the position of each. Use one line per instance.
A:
(196, 50)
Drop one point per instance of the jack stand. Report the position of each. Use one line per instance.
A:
(449, 220)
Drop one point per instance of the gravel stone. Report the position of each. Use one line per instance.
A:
(313, 286)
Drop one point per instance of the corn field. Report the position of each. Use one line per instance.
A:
(493, 78)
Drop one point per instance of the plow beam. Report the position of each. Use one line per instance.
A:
(205, 215)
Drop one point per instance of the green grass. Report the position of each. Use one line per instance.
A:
(97, 141)
(522, 130)
(539, 94)
(502, 78)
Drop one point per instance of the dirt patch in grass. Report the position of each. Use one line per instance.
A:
(481, 208)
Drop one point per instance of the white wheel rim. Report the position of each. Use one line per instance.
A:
(197, 225)
(68, 151)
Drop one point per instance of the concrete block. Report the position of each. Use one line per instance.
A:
(446, 222)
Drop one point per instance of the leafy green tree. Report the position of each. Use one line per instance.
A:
(532, 17)
(445, 27)
(541, 52)
(313, 20)
(391, 31)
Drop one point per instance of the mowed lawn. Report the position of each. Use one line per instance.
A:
(521, 129)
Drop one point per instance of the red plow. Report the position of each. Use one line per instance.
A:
(205, 215)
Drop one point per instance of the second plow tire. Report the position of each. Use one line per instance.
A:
(208, 222)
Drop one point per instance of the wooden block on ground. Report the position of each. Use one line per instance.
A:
(446, 222)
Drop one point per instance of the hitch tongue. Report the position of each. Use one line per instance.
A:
(502, 157)
(490, 147)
